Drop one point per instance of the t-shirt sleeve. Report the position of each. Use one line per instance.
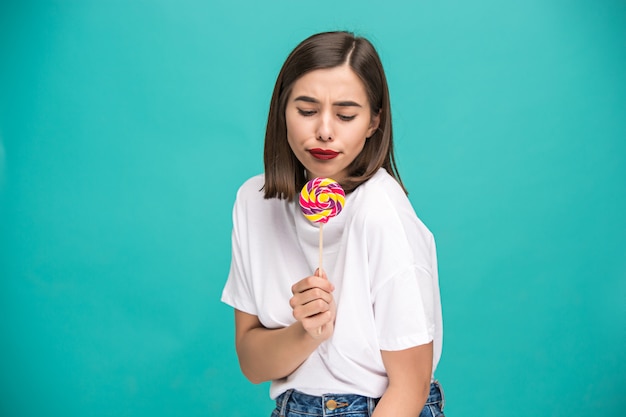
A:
(403, 310)
(238, 291)
(400, 249)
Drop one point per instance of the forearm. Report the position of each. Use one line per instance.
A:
(267, 354)
(402, 401)
(409, 373)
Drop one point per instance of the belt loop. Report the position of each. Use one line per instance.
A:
(283, 407)
(441, 394)
(371, 403)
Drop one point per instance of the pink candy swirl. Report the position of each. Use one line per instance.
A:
(321, 199)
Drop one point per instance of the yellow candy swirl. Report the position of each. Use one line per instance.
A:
(321, 199)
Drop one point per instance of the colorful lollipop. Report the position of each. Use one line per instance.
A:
(321, 199)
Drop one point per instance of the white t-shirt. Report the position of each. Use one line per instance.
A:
(378, 254)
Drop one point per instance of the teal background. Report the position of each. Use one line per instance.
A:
(127, 126)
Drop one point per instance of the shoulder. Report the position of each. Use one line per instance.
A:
(381, 196)
(382, 183)
(249, 198)
(383, 202)
(251, 188)
(250, 193)
(251, 204)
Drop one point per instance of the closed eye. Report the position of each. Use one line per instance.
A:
(306, 113)
(346, 118)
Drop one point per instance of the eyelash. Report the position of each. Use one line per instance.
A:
(309, 113)
(306, 113)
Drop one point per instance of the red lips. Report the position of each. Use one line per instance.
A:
(323, 153)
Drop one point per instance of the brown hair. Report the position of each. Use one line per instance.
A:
(284, 174)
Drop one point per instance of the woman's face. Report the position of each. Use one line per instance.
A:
(328, 119)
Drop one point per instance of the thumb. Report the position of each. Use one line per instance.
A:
(321, 273)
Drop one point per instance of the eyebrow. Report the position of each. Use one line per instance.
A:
(346, 103)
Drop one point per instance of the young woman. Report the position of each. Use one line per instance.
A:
(363, 336)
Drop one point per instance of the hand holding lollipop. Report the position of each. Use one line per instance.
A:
(321, 199)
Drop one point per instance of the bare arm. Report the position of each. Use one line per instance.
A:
(409, 374)
(266, 354)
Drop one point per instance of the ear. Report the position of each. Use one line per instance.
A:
(374, 123)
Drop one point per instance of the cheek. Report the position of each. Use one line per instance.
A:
(290, 125)
(293, 136)
(357, 135)
(296, 131)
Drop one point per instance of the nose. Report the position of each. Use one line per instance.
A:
(324, 128)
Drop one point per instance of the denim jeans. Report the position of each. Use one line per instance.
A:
(297, 404)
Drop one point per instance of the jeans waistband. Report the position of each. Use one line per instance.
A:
(339, 404)
(327, 404)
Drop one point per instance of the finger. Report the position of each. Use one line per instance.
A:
(311, 309)
(310, 296)
(317, 322)
(312, 282)
(315, 294)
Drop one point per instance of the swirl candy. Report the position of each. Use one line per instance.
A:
(321, 199)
